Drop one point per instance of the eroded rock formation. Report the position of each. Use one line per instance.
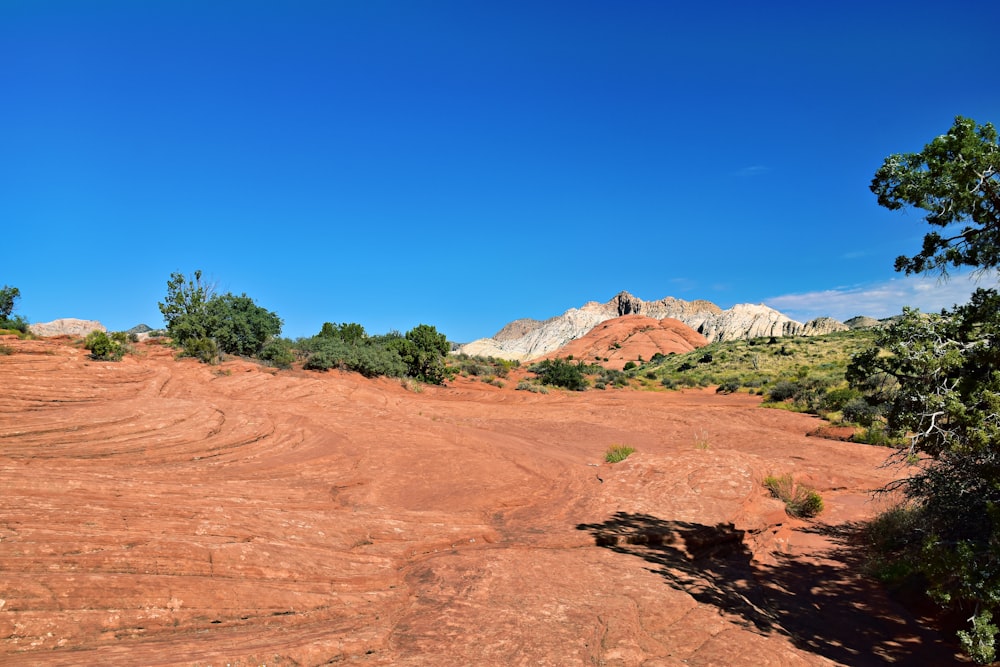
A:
(527, 339)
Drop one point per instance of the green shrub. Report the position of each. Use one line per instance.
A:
(105, 347)
(860, 411)
(618, 453)
(782, 391)
(524, 385)
(728, 387)
(423, 350)
(834, 400)
(9, 296)
(239, 326)
(278, 353)
(369, 359)
(232, 324)
(560, 373)
(800, 500)
(203, 349)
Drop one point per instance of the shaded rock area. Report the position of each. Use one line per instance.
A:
(528, 339)
(160, 511)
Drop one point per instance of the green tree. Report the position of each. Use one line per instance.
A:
(561, 373)
(240, 326)
(937, 377)
(206, 325)
(8, 299)
(423, 350)
(956, 180)
(351, 334)
(105, 347)
(185, 309)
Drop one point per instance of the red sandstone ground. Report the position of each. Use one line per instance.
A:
(160, 511)
(632, 337)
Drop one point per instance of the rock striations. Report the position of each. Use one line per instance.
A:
(530, 339)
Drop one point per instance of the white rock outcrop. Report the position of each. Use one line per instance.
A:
(67, 326)
(527, 339)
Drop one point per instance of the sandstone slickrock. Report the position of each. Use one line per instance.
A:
(159, 511)
(631, 337)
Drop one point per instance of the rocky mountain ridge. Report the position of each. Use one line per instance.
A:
(526, 339)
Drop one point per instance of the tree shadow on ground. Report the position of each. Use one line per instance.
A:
(823, 603)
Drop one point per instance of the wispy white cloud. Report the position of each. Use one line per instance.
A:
(928, 293)
(753, 170)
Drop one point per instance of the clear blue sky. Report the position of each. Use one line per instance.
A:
(465, 164)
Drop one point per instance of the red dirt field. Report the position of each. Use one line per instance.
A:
(159, 511)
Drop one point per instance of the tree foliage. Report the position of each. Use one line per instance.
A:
(240, 326)
(105, 347)
(561, 373)
(936, 378)
(419, 354)
(9, 297)
(423, 350)
(185, 309)
(206, 325)
(956, 180)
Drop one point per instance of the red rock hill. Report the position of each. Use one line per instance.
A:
(615, 342)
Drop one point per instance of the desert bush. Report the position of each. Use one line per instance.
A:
(423, 350)
(239, 326)
(782, 391)
(9, 297)
(629, 365)
(834, 400)
(860, 411)
(728, 387)
(105, 347)
(610, 376)
(617, 453)
(203, 349)
(232, 324)
(368, 359)
(278, 353)
(524, 385)
(560, 373)
(800, 500)
(480, 366)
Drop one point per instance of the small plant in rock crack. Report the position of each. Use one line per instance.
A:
(618, 453)
(800, 500)
(701, 440)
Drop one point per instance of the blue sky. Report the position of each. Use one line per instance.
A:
(465, 164)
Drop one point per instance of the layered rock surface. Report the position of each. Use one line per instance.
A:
(160, 511)
(615, 342)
